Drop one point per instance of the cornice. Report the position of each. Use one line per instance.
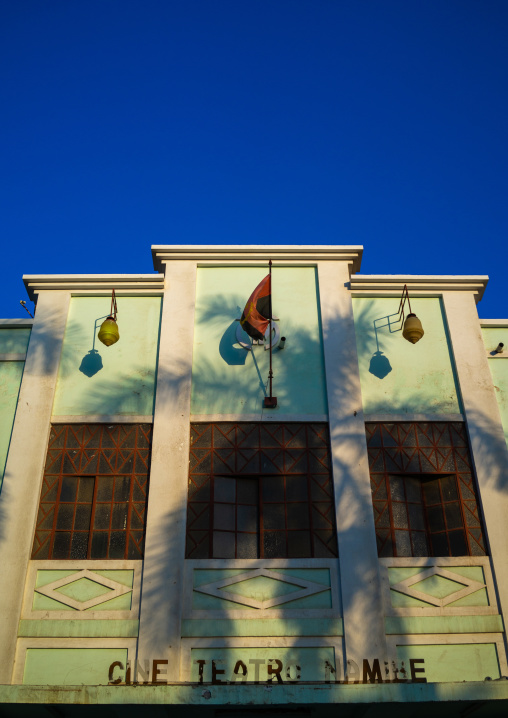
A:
(392, 284)
(254, 253)
(16, 323)
(146, 283)
(494, 323)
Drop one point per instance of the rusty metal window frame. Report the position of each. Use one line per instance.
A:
(94, 492)
(434, 452)
(268, 454)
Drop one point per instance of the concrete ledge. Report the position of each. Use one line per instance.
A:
(410, 625)
(192, 627)
(409, 418)
(103, 419)
(459, 696)
(76, 628)
(16, 323)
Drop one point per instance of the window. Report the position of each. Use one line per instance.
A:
(269, 517)
(260, 492)
(426, 516)
(84, 514)
(423, 490)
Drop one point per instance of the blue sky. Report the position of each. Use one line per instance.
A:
(374, 122)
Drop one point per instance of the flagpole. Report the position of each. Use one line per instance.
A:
(271, 401)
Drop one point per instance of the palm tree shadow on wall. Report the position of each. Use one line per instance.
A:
(170, 545)
(92, 361)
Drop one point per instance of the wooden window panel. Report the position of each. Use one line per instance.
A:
(94, 493)
(290, 464)
(423, 490)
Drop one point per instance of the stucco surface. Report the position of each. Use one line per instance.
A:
(120, 379)
(458, 662)
(399, 377)
(227, 379)
(10, 380)
(499, 369)
(70, 666)
(14, 340)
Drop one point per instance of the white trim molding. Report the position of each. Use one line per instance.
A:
(16, 323)
(262, 416)
(103, 419)
(493, 323)
(12, 357)
(392, 418)
(238, 254)
(418, 285)
(148, 283)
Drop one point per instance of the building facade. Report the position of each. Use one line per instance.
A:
(169, 541)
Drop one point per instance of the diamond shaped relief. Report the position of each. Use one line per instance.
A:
(113, 589)
(307, 588)
(467, 586)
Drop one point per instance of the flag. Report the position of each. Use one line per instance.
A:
(256, 315)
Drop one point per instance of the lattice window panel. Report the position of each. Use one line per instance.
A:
(433, 459)
(94, 492)
(288, 505)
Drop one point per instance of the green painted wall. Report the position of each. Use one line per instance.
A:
(11, 373)
(78, 628)
(197, 627)
(454, 663)
(228, 379)
(398, 377)
(310, 660)
(499, 369)
(70, 666)
(120, 379)
(406, 625)
(14, 340)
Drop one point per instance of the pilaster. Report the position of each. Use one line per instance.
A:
(488, 445)
(161, 596)
(359, 566)
(25, 464)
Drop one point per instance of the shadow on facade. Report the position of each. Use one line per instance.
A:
(162, 586)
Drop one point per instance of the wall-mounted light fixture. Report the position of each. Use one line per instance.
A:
(108, 333)
(499, 348)
(412, 329)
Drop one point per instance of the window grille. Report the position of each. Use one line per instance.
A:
(423, 490)
(260, 491)
(94, 492)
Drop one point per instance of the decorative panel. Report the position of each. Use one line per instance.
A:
(82, 590)
(260, 490)
(261, 589)
(448, 586)
(423, 490)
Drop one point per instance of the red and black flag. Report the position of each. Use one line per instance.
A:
(256, 315)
